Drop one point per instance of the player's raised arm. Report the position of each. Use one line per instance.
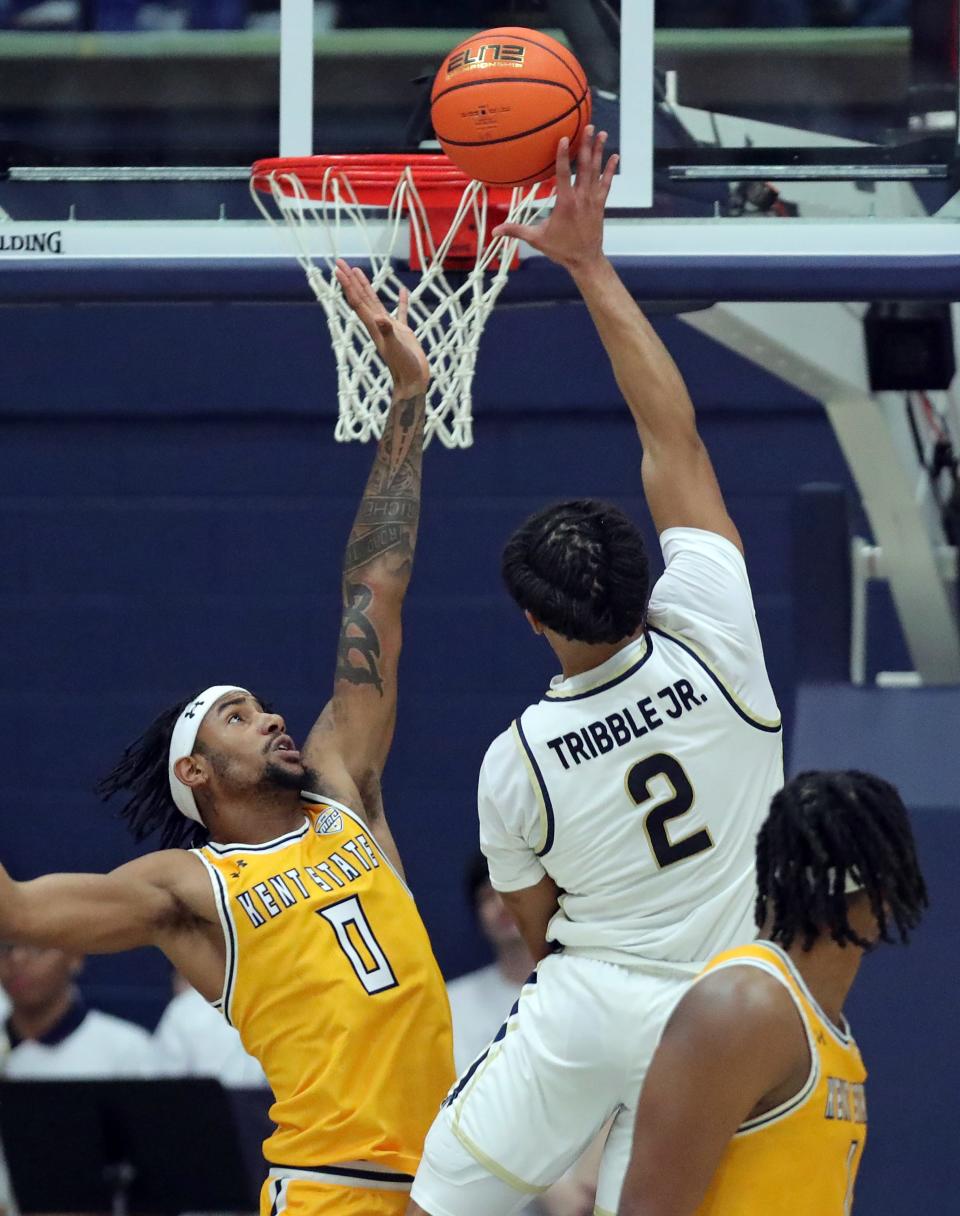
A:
(678, 477)
(347, 748)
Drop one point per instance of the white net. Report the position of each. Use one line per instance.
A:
(447, 310)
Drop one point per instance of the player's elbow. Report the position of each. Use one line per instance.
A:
(676, 436)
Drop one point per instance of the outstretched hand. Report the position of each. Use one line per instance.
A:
(572, 234)
(396, 343)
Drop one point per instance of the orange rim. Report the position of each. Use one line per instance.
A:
(372, 176)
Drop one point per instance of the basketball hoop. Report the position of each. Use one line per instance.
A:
(450, 220)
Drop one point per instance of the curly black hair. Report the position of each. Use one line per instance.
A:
(142, 771)
(822, 827)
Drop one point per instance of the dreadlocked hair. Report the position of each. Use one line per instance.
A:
(142, 771)
(581, 569)
(822, 827)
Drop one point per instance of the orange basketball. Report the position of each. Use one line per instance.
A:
(504, 99)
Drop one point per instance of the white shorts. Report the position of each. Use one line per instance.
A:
(573, 1052)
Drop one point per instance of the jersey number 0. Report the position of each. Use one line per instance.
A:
(667, 851)
(358, 942)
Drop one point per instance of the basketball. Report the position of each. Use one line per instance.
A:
(502, 101)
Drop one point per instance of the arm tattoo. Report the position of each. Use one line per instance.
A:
(359, 647)
(386, 522)
(382, 540)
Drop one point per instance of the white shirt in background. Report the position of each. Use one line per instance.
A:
(99, 1048)
(479, 1004)
(196, 1042)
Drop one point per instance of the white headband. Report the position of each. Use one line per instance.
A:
(851, 883)
(184, 737)
(851, 880)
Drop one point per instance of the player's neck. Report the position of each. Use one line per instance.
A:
(35, 1023)
(828, 970)
(579, 657)
(257, 819)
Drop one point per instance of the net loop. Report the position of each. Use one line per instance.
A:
(463, 268)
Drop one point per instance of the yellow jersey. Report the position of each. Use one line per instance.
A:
(332, 984)
(801, 1158)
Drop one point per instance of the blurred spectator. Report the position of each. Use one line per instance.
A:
(126, 16)
(480, 1001)
(479, 1004)
(196, 1041)
(781, 14)
(376, 14)
(50, 1034)
(860, 12)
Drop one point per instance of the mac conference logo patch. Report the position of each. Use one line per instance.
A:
(329, 822)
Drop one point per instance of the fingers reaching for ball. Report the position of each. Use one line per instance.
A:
(572, 234)
(591, 172)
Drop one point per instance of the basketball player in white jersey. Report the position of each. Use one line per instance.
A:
(619, 813)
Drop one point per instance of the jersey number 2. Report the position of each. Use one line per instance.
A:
(665, 850)
(360, 946)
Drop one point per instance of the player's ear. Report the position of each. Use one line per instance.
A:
(533, 623)
(191, 770)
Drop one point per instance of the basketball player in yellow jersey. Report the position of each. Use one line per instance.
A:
(754, 1103)
(290, 912)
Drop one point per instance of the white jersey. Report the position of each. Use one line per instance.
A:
(639, 786)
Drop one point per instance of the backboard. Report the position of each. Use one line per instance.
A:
(710, 105)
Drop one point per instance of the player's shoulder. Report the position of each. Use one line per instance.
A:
(698, 563)
(502, 755)
(175, 885)
(738, 1000)
(676, 541)
(162, 866)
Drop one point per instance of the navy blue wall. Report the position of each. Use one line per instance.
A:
(173, 509)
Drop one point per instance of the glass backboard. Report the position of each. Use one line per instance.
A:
(130, 126)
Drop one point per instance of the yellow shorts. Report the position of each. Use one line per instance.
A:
(299, 1198)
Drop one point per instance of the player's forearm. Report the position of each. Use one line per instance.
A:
(379, 556)
(649, 1192)
(384, 534)
(633, 1205)
(646, 374)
